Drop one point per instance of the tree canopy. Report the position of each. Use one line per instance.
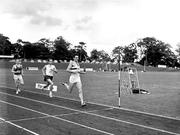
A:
(148, 51)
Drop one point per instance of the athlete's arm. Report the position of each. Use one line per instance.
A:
(55, 70)
(82, 72)
(22, 72)
(12, 70)
(43, 70)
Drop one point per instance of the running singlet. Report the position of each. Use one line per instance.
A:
(18, 69)
(74, 65)
(49, 70)
(74, 77)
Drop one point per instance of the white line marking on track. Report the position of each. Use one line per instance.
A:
(57, 118)
(26, 119)
(110, 106)
(85, 112)
(43, 117)
(120, 108)
(25, 129)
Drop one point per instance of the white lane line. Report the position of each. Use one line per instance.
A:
(26, 119)
(104, 132)
(121, 108)
(25, 129)
(43, 117)
(110, 106)
(105, 117)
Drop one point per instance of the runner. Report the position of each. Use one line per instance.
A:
(48, 72)
(17, 71)
(74, 70)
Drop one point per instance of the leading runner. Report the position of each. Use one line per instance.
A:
(74, 70)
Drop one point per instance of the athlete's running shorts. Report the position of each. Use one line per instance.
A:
(46, 77)
(18, 78)
(74, 78)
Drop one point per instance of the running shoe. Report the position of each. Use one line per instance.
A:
(18, 90)
(50, 94)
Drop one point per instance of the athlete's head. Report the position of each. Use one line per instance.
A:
(18, 61)
(76, 58)
(50, 61)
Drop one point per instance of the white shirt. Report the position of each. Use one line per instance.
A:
(75, 76)
(17, 69)
(49, 69)
(73, 66)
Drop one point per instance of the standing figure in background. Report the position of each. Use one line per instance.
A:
(17, 71)
(74, 70)
(48, 72)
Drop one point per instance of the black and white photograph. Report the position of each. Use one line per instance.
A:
(89, 67)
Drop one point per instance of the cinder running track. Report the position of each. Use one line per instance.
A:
(31, 113)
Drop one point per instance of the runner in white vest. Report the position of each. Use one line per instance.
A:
(74, 70)
(48, 72)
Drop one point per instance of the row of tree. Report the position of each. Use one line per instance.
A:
(146, 51)
(58, 49)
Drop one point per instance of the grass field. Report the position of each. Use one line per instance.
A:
(100, 88)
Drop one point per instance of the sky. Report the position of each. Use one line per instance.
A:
(101, 24)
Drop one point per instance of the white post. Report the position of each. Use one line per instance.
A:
(119, 80)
